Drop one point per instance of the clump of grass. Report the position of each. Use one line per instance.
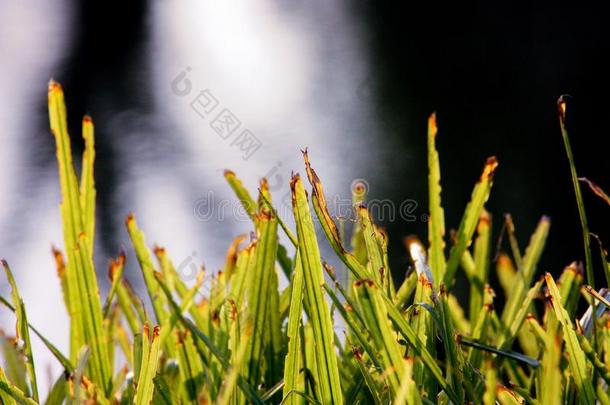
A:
(247, 341)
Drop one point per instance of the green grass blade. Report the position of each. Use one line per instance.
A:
(561, 105)
(409, 392)
(293, 378)
(524, 276)
(22, 329)
(330, 385)
(576, 356)
(506, 340)
(115, 273)
(378, 271)
(420, 349)
(491, 376)
(95, 336)
(259, 283)
(196, 332)
(148, 368)
(436, 222)
(504, 353)
(63, 360)
(479, 197)
(385, 339)
(482, 250)
(243, 195)
(453, 364)
(328, 225)
(368, 378)
(146, 265)
(87, 181)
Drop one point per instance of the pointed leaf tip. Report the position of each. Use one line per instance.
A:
(432, 124)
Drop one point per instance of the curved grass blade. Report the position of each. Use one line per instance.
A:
(597, 190)
(115, 274)
(561, 106)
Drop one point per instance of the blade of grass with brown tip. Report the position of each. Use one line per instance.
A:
(561, 106)
(436, 222)
(482, 254)
(328, 225)
(22, 330)
(524, 276)
(87, 181)
(157, 299)
(479, 197)
(293, 378)
(243, 195)
(320, 318)
(148, 368)
(258, 291)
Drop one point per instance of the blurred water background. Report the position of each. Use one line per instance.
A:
(353, 82)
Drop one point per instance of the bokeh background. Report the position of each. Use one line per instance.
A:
(353, 81)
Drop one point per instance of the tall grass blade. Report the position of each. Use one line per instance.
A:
(576, 356)
(479, 197)
(561, 106)
(330, 384)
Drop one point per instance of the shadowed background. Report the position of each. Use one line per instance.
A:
(354, 82)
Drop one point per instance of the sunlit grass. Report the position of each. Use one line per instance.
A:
(248, 341)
